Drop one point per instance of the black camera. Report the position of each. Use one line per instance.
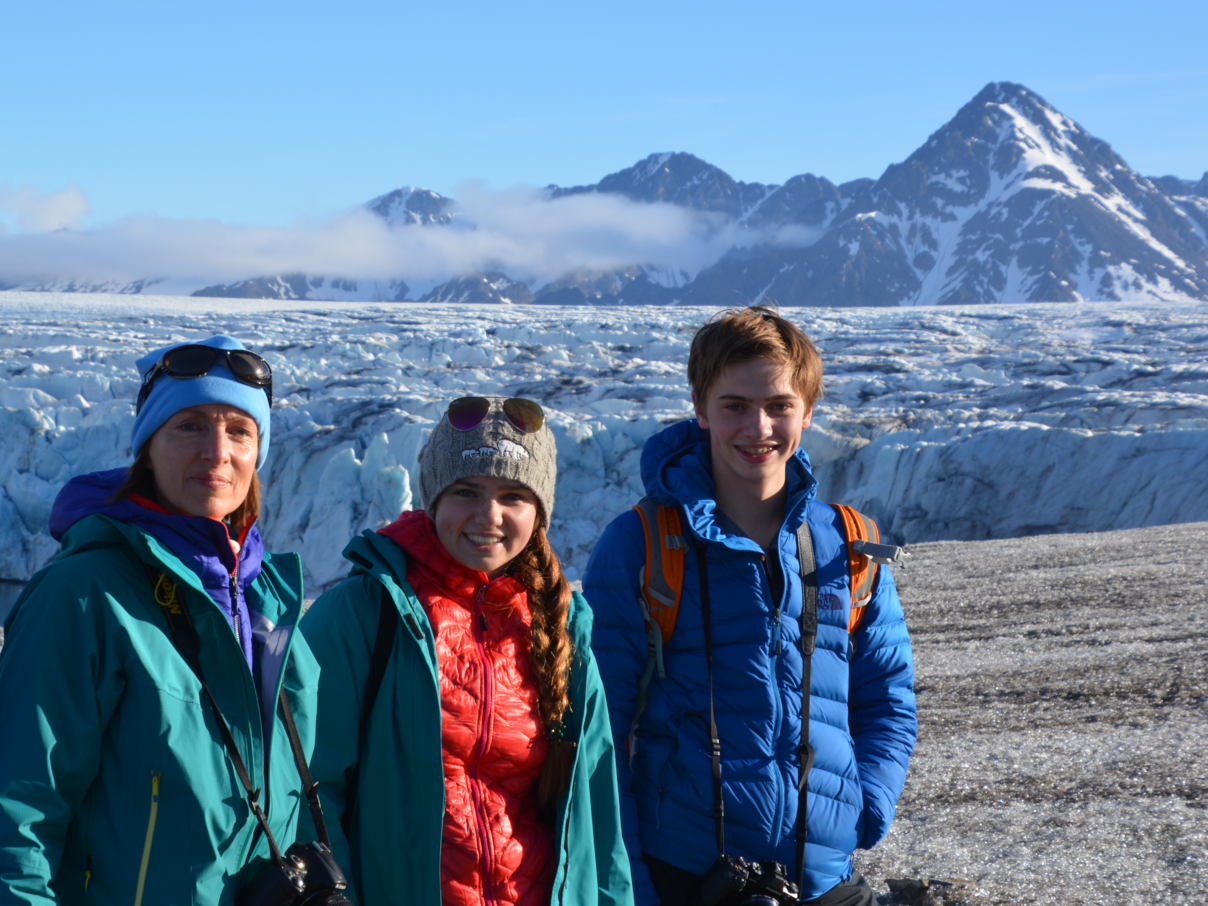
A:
(733, 881)
(309, 877)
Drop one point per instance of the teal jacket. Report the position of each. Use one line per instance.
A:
(394, 852)
(115, 787)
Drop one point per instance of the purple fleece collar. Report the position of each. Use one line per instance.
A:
(201, 544)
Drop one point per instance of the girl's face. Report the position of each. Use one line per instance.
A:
(485, 522)
(203, 459)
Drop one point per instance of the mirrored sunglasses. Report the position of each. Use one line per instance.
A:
(468, 412)
(196, 360)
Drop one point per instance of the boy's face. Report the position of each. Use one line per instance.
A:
(755, 419)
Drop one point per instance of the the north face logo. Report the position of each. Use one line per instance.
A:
(504, 448)
(829, 601)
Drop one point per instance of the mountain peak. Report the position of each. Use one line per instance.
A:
(675, 177)
(410, 204)
(1008, 93)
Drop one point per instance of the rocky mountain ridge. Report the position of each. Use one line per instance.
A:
(1010, 201)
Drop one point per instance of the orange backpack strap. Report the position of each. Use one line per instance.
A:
(662, 581)
(663, 576)
(864, 552)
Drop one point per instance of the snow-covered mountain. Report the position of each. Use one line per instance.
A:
(1010, 201)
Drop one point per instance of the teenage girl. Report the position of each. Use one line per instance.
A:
(463, 733)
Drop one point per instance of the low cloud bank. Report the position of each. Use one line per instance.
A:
(38, 211)
(521, 231)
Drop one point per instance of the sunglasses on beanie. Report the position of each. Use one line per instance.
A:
(468, 412)
(196, 360)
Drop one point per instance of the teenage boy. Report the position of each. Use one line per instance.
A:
(742, 488)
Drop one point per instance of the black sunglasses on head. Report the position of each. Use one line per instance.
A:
(196, 360)
(468, 412)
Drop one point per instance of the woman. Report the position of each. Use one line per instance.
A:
(463, 733)
(117, 785)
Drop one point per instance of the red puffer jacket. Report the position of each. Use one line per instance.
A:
(495, 849)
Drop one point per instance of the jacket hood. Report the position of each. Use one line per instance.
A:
(677, 469)
(202, 544)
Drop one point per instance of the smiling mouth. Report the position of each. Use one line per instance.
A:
(483, 540)
(760, 450)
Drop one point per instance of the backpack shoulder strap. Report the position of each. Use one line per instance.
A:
(863, 571)
(663, 576)
(662, 582)
(383, 646)
(864, 552)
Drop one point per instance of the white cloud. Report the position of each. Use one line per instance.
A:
(521, 231)
(50, 211)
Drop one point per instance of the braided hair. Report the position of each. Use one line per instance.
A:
(549, 593)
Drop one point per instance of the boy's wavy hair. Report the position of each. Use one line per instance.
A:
(745, 334)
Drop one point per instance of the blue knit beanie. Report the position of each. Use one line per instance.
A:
(169, 395)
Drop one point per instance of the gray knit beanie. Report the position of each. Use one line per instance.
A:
(496, 448)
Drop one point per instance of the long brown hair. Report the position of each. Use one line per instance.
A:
(538, 569)
(140, 479)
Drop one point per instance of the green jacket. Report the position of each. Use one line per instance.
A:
(394, 855)
(115, 787)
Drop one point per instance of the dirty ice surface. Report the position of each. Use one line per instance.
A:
(942, 423)
(1062, 688)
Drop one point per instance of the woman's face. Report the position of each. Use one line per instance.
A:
(203, 459)
(485, 522)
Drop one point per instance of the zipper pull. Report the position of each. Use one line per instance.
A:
(87, 873)
(235, 609)
(776, 628)
(478, 599)
(413, 625)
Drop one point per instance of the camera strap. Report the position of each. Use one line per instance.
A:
(809, 634)
(187, 641)
(308, 785)
(719, 806)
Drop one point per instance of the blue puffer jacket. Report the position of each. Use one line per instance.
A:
(862, 707)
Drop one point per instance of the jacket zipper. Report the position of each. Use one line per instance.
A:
(479, 620)
(767, 574)
(142, 868)
(779, 715)
(237, 625)
(235, 621)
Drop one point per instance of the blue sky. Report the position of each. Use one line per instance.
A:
(276, 114)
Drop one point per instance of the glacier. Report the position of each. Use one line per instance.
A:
(948, 423)
(1060, 676)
